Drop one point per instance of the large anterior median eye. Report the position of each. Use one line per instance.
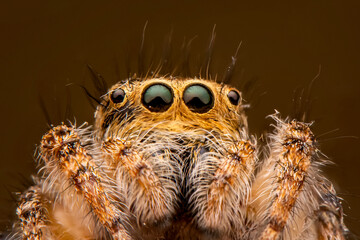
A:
(198, 98)
(157, 98)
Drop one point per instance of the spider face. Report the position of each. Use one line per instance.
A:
(168, 124)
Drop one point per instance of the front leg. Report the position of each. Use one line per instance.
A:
(288, 191)
(147, 182)
(293, 160)
(221, 182)
(33, 215)
(62, 151)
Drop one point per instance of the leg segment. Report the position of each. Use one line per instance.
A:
(289, 196)
(33, 215)
(296, 152)
(149, 196)
(61, 150)
(330, 218)
(222, 186)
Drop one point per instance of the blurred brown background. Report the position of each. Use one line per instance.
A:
(45, 45)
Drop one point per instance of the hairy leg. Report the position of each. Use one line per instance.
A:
(149, 194)
(330, 224)
(221, 184)
(62, 152)
(293, 161)
(33, 215)
(288, 190)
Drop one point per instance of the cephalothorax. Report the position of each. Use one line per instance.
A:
(172, 158)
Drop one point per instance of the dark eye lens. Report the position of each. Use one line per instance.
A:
(157, 98)
(117, 96)
(198, 98)
(234, 97)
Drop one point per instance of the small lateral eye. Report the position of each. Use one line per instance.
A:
(117, 96)
(234, 97)
(157, 98)
(198, 98)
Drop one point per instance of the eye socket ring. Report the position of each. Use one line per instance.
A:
(234, 97)
(198, 98)
(117, 96)
(157, 97)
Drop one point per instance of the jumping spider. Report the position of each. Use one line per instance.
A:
(172, 158)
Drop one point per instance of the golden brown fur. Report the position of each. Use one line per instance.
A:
(179, 174)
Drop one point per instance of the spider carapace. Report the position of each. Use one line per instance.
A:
(172, 158)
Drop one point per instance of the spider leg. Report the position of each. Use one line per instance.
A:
(62, 151)
(330, 217)
(148, 196)
(33, 215)
(222, 186)
(293, 158)
(288, 192)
